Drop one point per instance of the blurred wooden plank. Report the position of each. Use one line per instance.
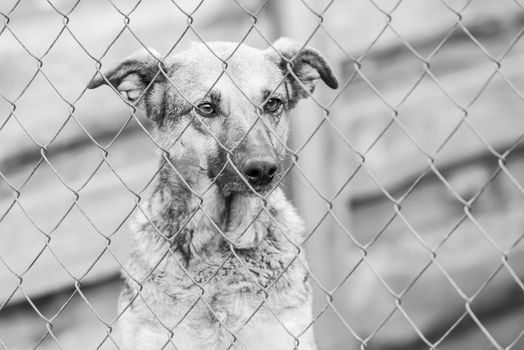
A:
(505, 327)
(430, 118)
(467, 257)
(432, 302)
(356, 24)
(76, 327)
(75, 241)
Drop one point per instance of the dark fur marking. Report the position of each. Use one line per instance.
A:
(198, 125)
(219, 170)
(128, 294)
(156, 111)
(173, 215)
(182, 243)
(292, 85)
(216, 100)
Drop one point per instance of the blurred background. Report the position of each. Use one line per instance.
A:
(410, 175)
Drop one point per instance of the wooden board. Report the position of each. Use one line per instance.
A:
(426, 122)
(78, 240)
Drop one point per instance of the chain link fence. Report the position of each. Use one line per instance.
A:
(409, 175)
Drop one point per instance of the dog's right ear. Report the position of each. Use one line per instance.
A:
(131, 77)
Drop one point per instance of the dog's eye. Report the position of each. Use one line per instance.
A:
(272, 105)
(206, 109)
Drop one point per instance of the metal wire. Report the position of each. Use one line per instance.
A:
(327, 111)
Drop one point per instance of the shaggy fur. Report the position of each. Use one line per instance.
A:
(216, 262)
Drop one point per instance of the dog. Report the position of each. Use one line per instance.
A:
(217, 262)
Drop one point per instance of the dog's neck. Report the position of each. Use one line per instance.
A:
(191, 215)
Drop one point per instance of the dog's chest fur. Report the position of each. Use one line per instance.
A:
(207, 294)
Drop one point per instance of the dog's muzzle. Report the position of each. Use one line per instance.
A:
(245, 173)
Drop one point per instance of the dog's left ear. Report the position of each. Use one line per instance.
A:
(137, 78)
(307, 65)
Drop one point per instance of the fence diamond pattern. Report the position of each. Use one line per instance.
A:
(326, 105)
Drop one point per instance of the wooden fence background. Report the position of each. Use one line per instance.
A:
(44, 124)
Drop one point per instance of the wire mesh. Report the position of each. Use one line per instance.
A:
(332, 219)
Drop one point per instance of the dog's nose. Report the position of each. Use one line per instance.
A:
(260, 171)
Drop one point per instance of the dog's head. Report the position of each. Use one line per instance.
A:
(221, 107)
